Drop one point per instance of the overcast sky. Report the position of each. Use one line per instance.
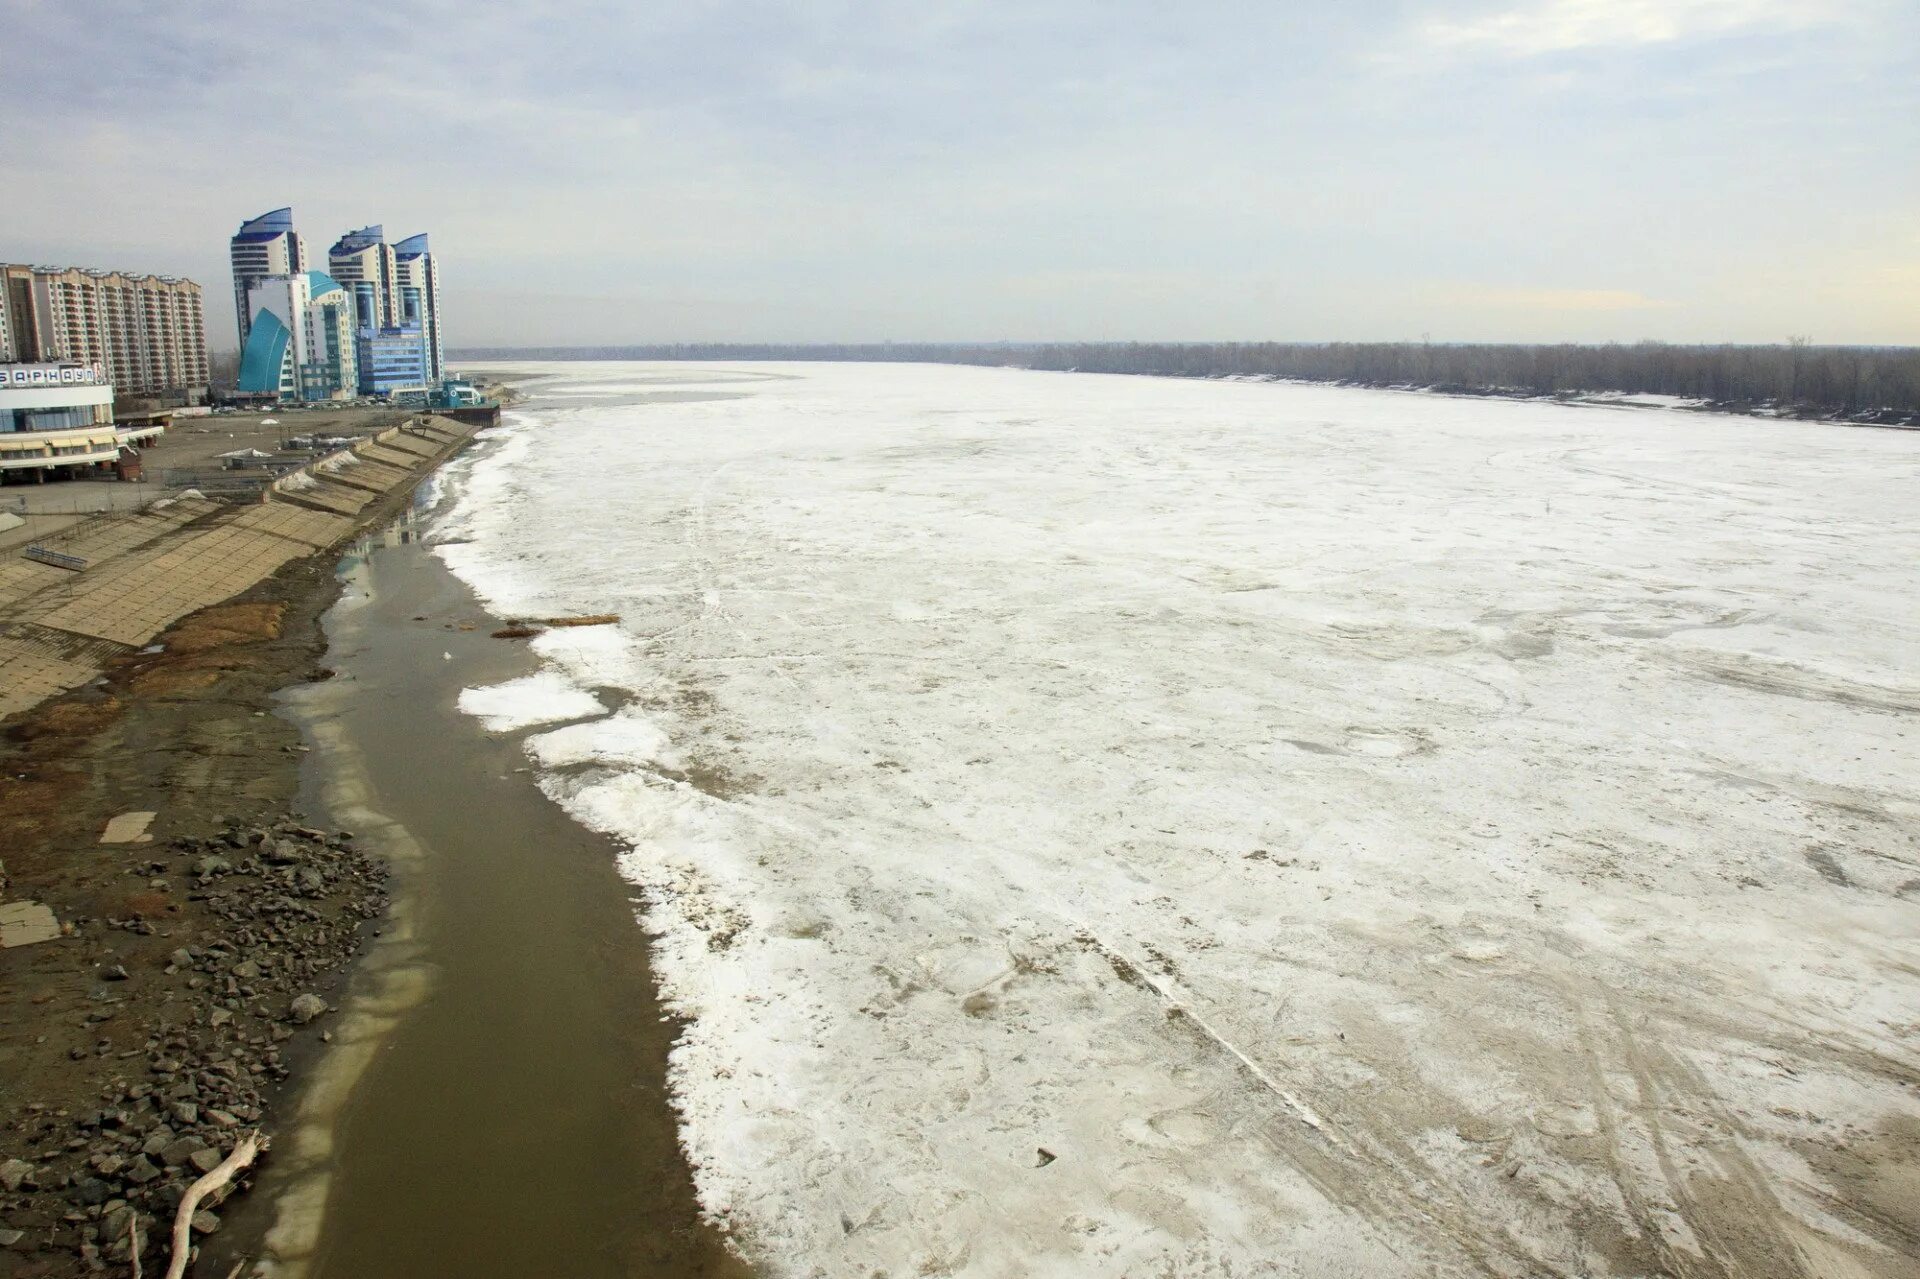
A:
(1079, 169)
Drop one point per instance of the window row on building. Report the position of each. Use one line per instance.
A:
(146, 331)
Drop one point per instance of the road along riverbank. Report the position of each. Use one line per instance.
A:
(172, 928)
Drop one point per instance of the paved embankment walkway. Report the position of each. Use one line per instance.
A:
(139, 573)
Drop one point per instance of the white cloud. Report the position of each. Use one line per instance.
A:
(1558, 26)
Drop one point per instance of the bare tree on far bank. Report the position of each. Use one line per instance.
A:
(1870, 384)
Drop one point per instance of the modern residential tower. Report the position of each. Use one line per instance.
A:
(396, 290)
(267, 245)
(419, 281)
(387, 294)
(363, 262)
(301, 339)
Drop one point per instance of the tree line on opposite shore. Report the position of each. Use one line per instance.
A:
(1797, 377)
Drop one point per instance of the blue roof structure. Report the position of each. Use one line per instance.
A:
(365, 237)
(413, 246)
(265, 352)
(319, 284)
(267, 225)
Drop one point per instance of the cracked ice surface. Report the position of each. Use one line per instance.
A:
(1352, 833)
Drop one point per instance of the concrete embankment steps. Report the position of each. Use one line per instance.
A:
(321, 496)
(94, 542)
(315, 530)
(131, 598)
(364, 473)
(36, 663)
(387, 456)
(21, 577)
(144, 571)
(109, 535)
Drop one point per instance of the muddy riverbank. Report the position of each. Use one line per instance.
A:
(499, 1071)
(169, 991)
(181, 1003)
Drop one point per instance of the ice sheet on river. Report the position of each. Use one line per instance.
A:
(1126, 826)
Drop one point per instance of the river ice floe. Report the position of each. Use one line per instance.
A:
(541, 698)
(1112, 826)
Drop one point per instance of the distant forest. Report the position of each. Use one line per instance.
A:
(1862, 384)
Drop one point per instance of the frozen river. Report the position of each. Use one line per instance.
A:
(1120, 826)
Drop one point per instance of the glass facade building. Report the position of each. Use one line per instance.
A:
(393, 361)
(388, 298)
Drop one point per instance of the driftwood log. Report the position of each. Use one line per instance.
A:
(243, 1154)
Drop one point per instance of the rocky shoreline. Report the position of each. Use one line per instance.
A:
(227, 960)
(186, 986)
(284, 905)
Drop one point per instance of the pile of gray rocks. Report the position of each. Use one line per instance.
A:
(282, 906)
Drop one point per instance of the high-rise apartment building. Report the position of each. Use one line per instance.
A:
(418, 278)
(392, 293)
(266, 245)
(364, 264)
(396, 289)
(146, 333)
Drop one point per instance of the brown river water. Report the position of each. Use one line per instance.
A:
(494, 1099)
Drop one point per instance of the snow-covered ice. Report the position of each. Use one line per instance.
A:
(544, 697)
(1106, 826)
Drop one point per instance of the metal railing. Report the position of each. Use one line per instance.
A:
(58, 559)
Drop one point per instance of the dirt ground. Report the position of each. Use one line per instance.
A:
(111, 1020)
(197, 441)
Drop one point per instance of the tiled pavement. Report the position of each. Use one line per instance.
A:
(133, 597)
(146, 571)
(35, 664)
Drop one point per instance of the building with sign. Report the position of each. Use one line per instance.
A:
(301, 339)
(263, 246)
(57, 418)
(147, 331)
